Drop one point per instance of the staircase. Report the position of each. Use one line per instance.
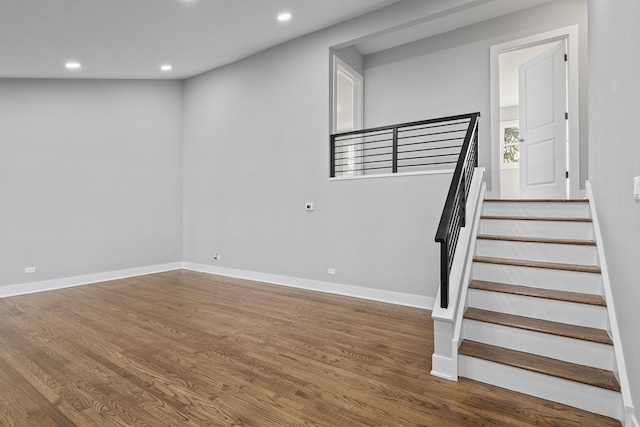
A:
(536, 320)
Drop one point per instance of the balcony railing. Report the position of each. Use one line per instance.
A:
(424, 145)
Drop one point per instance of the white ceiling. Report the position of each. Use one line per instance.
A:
(454, 18)
(133, 38)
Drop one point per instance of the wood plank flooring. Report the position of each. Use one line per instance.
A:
(190, 349)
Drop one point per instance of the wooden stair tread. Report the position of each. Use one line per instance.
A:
(538, 264)
(538, 325)
(540, 364)
(538, 200)
(537, 240)
(528, 291)
(536, 218)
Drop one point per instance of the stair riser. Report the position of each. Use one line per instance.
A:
(565, 210)
(539, 308)
(562, 348)
(582, 396)
(545, 252)
(548, 229)
(588, 283)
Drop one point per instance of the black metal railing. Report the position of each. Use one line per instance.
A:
(454, 212)
(409, 147)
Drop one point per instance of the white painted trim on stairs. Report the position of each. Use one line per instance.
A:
(67, 282)
(613, 322)
(589, 398)
(633, 421)
(445, 321)
(409, 300)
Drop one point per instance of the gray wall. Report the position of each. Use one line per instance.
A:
(615, 158)
(449, 73)
(352, 57)
(254, 153)
(90, 176)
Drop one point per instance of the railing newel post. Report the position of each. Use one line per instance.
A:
(394, 152)
(444, 274)
(332, 157)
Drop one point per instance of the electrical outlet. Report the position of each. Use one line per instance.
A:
(308, 206)
(217, 257)
(332, 271)
(29, 270)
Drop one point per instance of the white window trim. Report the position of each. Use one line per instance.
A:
(503, 126)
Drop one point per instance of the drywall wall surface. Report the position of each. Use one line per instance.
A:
(90, 176)
(449, 73)
(615, 159)
(256, 149)
(352, 57)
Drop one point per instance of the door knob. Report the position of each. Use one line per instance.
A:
(521, 140)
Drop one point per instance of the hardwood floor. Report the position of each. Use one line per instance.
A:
(189, 349)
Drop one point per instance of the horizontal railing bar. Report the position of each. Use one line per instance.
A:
(431, 142)
(363, 156)
(390, 131)
(431, 134)
(363, 135)
(374, 161)
(399, 158)
(400, 145)
(434, 126)
(399, 166)
(404, 125)
(365, 149)
(426, 164)
(371, 169)
(426, 157)
(364, 142)
(358, 168)
(430, 149)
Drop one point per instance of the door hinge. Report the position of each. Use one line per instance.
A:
(565, 57)
(566, 116)
(566, 174)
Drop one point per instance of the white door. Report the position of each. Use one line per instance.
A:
(543, 128)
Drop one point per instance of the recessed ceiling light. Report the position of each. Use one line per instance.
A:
(72, 65)
(284, 16)
(166, 67)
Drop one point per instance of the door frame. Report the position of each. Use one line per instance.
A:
(570, 34)
(340, 66)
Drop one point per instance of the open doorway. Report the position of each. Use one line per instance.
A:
(535, 142)
(510, 140)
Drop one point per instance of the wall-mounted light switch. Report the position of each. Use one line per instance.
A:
(29, 270)
(636, 187)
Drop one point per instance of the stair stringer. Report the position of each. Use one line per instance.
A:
(447, 322)
(628, 416)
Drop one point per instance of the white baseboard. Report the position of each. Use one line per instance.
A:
(441, 367)
(398, 298)
(67, 282)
